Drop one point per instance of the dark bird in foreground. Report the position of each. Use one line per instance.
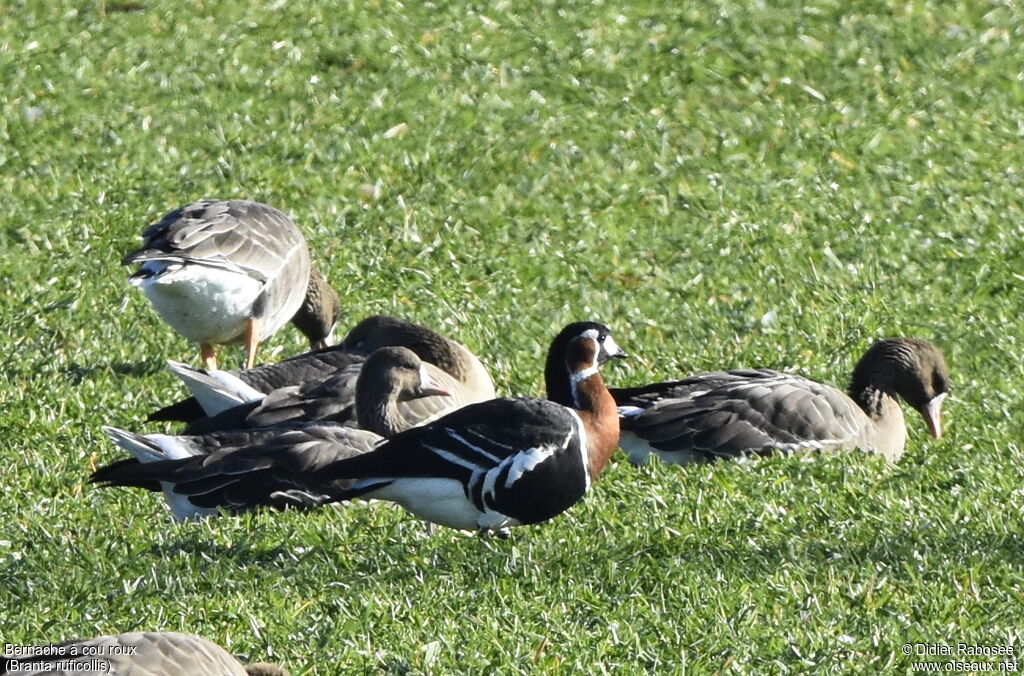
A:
(232, 272)
(732, 413)
(319, 385)
(485, 467)
(391, 377)
(133, 654)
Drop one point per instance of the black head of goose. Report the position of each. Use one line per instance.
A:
(472, 382)
(732, 413)
(484, 467)
(237, 470)
(228, 271)
(142, 653)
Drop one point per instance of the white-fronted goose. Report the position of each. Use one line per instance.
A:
(390, 376)
(731, 413)
(232, 271)
(451, 356)
(485, 467)
(141, 653)
(308, 370)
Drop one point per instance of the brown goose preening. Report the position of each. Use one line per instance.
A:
(320, 385)
(141, 653)
(732, 413)
(391, 376)
(232, 271)
(487, 466)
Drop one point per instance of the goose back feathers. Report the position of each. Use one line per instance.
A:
(195, 471)
(320, 385)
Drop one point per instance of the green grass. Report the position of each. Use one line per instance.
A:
(723, 183)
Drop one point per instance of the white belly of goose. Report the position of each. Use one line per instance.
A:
(441, 501)
(204, 304)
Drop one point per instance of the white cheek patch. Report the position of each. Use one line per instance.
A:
(611, 348)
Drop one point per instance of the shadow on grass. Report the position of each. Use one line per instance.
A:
(909, 551)
(243, 552)
(77, 373)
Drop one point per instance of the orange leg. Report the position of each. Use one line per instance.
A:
(251, 343)
(209, 358)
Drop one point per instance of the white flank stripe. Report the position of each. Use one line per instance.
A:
(525, 461)
(490, 456)
(630, 411)
(454, 459)
(489, 480)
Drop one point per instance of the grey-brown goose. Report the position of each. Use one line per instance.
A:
(134, 654)
(487, 466)
(324, 381)
(232, 271)
(732, 413)
(391, 376)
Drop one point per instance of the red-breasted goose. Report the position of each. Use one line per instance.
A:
(142, 653)
(308, 370)
(188, 468)
(232, 272)
(485, 467)
(732, 413)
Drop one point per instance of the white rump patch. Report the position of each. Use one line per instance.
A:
(215, 390)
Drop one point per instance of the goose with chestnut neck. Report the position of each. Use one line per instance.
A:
(732, 413)
(485, 467)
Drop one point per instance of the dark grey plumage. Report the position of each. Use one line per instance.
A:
(320, 386)
(198, 473)
(732, 413)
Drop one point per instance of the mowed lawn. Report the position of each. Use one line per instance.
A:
(723, 183)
